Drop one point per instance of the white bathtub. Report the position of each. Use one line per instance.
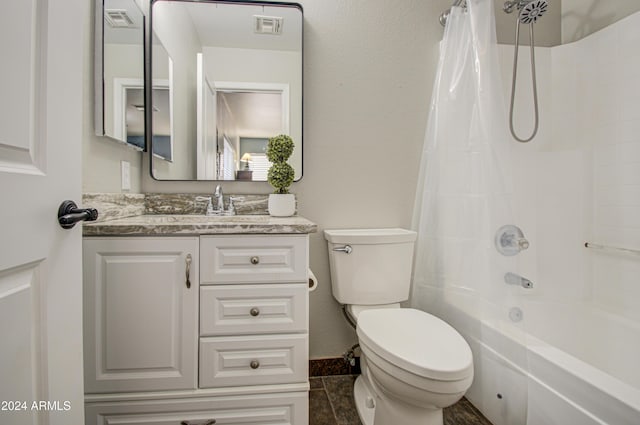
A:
(544, 384)
(555, 367)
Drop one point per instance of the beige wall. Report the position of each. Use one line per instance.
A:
(583, 17)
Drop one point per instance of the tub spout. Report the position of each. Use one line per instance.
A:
(516, 279)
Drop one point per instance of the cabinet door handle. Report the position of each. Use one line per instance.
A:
(255, 260)
(254, 364)
(188, 271)
(209, 422)
(254, 311)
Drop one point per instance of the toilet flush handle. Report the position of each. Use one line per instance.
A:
(346, 249)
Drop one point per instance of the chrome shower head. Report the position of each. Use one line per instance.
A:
(530, 10)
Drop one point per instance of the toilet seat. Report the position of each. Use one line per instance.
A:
(417, 342)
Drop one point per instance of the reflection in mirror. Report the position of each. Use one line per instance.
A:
(162, 103)
(236, 81)
(119, 68)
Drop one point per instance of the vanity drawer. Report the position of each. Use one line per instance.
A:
(253, 259)
(253, 309)
(253, 360)
(289, 408)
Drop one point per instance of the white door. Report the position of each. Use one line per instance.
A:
(206, 123)
(42, 44)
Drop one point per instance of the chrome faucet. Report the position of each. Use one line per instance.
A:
(219, 199)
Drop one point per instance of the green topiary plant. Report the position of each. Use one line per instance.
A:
(281, 174)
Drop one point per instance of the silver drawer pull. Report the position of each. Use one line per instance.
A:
(209, 422)
(188, 271)
(254, 311)
(255, 260)
(254, 364)
(346, 249)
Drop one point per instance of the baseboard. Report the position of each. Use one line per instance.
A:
(333, 366)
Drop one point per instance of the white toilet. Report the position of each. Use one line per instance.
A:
(413, 364)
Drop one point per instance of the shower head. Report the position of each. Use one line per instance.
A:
(530, 10)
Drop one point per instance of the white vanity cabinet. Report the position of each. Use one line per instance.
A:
(140, 313)
(188, 330)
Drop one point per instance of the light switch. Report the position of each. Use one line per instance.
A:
(125, 169)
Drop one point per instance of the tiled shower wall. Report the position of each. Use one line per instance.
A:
(579, 180)
(596, 105)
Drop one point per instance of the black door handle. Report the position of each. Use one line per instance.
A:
(69, 214)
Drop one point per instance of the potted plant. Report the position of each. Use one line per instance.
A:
(280, 176)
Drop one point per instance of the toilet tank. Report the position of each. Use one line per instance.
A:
(370, 266)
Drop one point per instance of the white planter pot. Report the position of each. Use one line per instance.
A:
(282, 205)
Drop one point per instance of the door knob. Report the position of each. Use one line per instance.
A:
(69, 214)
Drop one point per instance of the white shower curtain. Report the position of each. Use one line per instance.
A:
(463, 197)
(464, 186)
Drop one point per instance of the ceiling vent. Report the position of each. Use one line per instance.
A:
(118, 18)
(267, 24)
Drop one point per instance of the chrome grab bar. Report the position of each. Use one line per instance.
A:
(611, 248)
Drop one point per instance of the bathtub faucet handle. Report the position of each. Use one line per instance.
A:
(510, 240)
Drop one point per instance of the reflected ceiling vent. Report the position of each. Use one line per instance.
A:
(267, 24)
(118, 18)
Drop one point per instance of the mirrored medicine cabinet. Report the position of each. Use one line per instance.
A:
(226, 77)
(119, 71)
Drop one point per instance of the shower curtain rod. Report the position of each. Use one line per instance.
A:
(611, 248)
(445, 14)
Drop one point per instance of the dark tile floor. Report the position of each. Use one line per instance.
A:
(331, 403)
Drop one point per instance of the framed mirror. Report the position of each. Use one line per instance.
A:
(119, 71)
(235, 81)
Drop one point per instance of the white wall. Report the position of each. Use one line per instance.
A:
(583, 17)
(607, 68)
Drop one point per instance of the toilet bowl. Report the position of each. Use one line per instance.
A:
(416, 364)
(413, 364)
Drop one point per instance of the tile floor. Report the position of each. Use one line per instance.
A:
(331, 403)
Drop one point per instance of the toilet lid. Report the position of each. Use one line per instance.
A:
(416, 342)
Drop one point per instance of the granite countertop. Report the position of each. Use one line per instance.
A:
(184, 224)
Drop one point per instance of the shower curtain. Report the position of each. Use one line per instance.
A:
(464, 190)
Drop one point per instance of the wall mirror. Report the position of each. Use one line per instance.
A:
(234, 77)
(119, 71)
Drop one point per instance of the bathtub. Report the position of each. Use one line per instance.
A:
(554, 367)
(522, 378)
